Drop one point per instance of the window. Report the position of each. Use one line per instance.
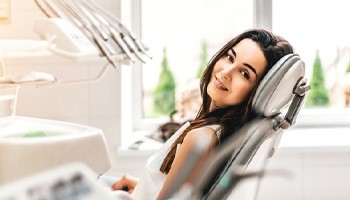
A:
(182, 26)
(318, 30)
(187, 30)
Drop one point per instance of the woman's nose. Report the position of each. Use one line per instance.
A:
(227, 71)
(226, 75)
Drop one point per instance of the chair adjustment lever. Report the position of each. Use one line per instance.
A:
(300, 90)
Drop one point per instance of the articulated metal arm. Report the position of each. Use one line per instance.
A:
(300, 90)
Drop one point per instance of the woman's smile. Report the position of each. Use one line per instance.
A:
(219, 85)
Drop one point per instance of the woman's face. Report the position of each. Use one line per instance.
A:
(236, 74)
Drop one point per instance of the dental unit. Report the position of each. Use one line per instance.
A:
(77, 37)
(31, 145)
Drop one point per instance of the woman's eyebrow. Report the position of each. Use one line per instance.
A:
(233, 52)
(251, 68)
(245, 64)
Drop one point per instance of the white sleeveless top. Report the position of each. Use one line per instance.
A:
(153, 180)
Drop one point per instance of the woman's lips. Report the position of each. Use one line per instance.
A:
(219, 85)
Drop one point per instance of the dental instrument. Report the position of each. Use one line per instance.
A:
(116, 35)
(99, 36)
(84, 24)
(106, 31)
(121, 27)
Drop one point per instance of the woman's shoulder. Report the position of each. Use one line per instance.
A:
(213, 131)
(204, 131)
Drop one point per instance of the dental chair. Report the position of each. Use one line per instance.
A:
(235, 170)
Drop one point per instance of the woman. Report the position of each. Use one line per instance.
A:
(227, 87)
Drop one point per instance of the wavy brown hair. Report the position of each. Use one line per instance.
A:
(233, 117)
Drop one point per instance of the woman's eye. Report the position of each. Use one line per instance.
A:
(230, 58)
(245, 74)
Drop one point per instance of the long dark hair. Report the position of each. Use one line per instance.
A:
(233, 117)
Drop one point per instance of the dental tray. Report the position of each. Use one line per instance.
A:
(30, 145)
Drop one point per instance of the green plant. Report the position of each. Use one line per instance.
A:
(348, 68)
(318, 95)
(203, 59)
(164, 95)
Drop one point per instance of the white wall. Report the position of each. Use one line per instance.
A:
(315, 174)
(318, 161)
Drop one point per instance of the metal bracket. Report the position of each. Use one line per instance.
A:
(299, 91)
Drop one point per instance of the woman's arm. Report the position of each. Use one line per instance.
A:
(205, 139)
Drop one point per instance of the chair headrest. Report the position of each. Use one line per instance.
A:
(275, 91)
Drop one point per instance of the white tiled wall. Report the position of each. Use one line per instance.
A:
(316, 172)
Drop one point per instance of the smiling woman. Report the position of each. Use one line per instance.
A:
(234, 76)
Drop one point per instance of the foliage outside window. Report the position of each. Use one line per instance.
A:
(204, 59)
(348, 68)
(318, 96)
(347, 85)
(164, 95)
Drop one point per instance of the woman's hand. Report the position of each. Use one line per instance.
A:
(126, 183)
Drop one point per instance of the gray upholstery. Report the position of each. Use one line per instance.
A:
(276, 89)
(245, 153)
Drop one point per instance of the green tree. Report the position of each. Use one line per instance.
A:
(204, 59)
(318, 95)
(348, 68)
(164, 96)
